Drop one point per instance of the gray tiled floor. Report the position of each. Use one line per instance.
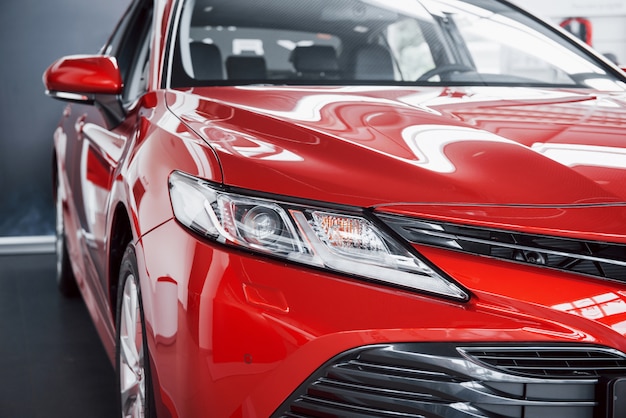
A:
(52, 363)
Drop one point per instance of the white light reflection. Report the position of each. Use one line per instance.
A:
(427, 142)
(572, 155)
(265, 151)
(598, 307)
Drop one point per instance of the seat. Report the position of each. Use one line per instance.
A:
(373, 62)
(246, 67)
(316, 61)
(206, 60)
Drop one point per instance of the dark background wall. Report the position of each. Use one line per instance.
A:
(33, 33)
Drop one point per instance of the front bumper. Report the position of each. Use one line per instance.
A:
(232, 334)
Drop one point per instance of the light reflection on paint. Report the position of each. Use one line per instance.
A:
(427, 142)
(573, 155)
(599, 307)
(230, 141)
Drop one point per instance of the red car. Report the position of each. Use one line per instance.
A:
(346, 208)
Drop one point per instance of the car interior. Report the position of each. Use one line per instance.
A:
(336, 41)
(307, 61)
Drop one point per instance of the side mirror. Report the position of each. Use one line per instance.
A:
(87, 79)
(80, 77)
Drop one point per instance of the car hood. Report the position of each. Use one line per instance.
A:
(420, 148)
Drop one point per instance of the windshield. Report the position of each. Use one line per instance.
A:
(452, 42)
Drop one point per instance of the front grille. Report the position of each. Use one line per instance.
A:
(592, 258)
(444, 380)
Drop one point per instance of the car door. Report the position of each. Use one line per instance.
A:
(96, 139)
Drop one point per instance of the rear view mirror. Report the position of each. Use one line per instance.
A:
(83, 77)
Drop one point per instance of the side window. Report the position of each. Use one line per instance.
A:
(130, 44)
(136, 80)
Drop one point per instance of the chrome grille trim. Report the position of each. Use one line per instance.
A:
(450, 381)
(592, 258)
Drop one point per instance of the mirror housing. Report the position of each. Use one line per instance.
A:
(83, 76)
(87, 79)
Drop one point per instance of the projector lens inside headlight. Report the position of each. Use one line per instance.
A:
(261, 226)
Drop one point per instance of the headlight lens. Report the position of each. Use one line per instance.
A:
(347, 243)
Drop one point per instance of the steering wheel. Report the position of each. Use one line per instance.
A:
(445, 69)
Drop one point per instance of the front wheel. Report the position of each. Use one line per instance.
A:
(133, 366)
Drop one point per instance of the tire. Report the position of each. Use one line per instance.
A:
(134, 381)
(66, 282)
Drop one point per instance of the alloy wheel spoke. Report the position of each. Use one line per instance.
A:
(128, 355)
(60, 230)
(132, 379)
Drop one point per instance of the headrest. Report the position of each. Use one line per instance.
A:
(315, 59)
(207, 61)
(246, 67)
(373, 62)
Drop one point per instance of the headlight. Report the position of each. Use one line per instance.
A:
(340, 241)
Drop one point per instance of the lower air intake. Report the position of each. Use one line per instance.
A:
(444, 380)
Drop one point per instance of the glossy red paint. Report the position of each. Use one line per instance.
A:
(233, 333)
(95, 74)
